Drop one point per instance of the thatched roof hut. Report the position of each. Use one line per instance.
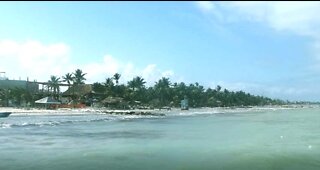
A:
(115, 102)
(78, 90)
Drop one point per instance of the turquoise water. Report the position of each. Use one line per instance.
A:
(195, 139)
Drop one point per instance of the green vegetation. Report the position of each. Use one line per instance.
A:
(135, 93)
(53, 85)
(165, 93)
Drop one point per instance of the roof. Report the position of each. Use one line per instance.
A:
(81, 89)
(47, 100)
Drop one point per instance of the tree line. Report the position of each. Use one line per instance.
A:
(135, 92)
(166, 93)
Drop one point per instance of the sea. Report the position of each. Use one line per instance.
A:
(265, 138)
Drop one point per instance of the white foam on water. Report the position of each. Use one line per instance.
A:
(5, 125)
(208, 111)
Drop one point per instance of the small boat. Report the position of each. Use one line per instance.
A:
(4, 114)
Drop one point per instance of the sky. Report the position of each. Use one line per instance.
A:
(264, 48)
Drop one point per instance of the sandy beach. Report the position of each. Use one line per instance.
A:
(38, 111)
(68, 111)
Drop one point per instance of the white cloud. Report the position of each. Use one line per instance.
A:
(205, 5)
(99, 71)
(33, 59)
(168, 73)
(298, 18)
(147, 72)
(39, 61)
(152, 74)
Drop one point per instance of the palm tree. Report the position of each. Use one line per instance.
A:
(68, 78)
(79, 77)
(139, 82)
(162, 88)
(117, 77)
(109, 82)
(109, 86)
(53, 83)
(163, 83)
(136, 85)
(218, 88)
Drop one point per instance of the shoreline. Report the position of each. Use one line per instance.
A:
(79, 111)
(157, 112)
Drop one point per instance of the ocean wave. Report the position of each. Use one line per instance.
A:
(32, 121)
(212, 111)
(5, 125)
(48, 123)
(64, 120)
(194, 113)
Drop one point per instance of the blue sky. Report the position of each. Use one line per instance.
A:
(265, 48)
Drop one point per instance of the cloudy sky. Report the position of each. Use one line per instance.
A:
(265, 48)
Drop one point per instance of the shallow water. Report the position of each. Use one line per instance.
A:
(195, 139)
